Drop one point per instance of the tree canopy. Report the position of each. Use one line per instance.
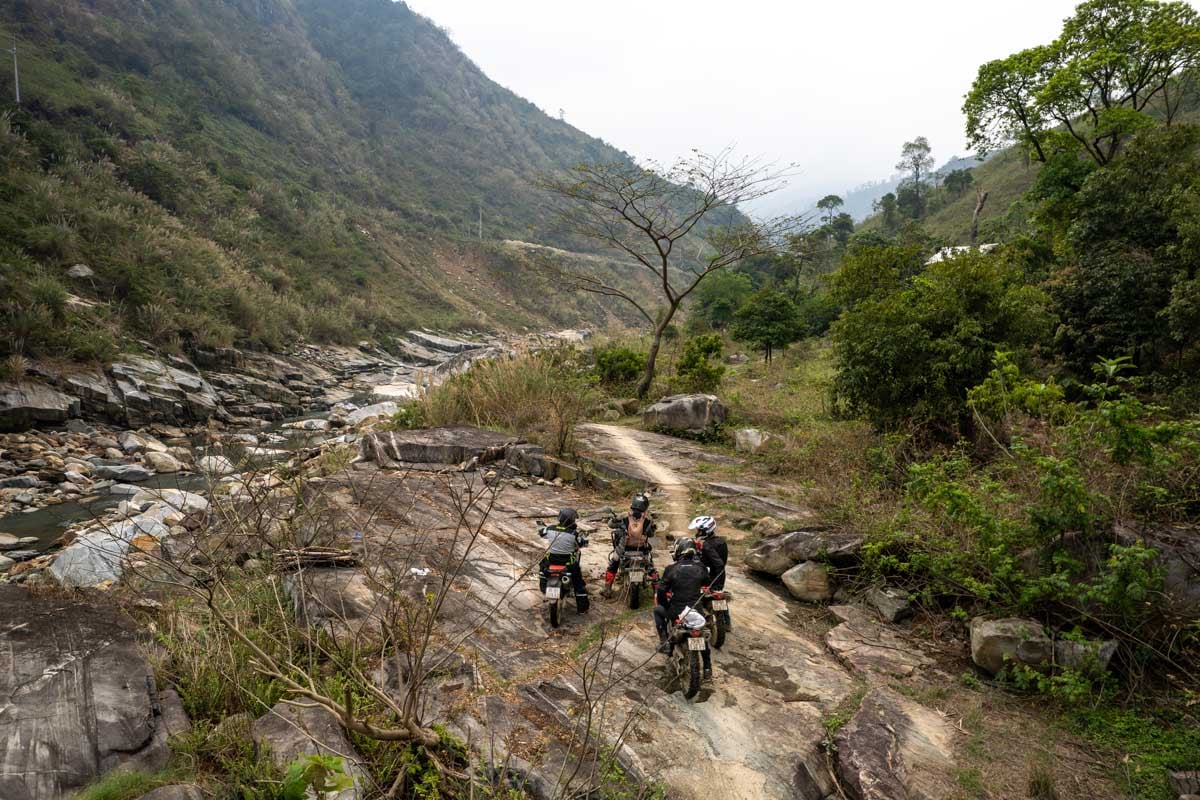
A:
(768, 320)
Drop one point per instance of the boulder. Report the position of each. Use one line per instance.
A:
(314, 424)
(998, 641)
(435, 446)
(79, 697)
(750, 440)
(894, 748)
(175, 499)
(9, 542)
(6, 564)
(122, 472)
(690, 413)
(215, 465)
(809, 581)
(288, 732)
(891, 603)
(20, 482)
(1185, 783)
(98, 556)
(80, 271)
(361, 415)
(340, 601)
(776, 554)
(1085, 656)
(24, 404)
(163, 462)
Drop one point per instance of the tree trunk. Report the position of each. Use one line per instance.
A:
(980, 199)
(643, 387)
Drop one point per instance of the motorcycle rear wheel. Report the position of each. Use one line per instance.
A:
(718, 631)
(555, 613)
(635, 595)
(693, 685)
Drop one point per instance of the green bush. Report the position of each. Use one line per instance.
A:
(699, 368)
(907, 352)
(618, 366)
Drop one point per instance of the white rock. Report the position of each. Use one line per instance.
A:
(750, 440)
(216, 465)
(809, 581)
(181, 501)
(163, 462)
(377, 410)
(124, 489)
(315, 424)
(5, 564)
(80, 271)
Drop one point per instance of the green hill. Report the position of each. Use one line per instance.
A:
(255, 170)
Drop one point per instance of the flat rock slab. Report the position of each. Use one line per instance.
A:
(746, 497)
(896, 749)
(78, 697)
(867, 646)
(433, 445)
(443, 343)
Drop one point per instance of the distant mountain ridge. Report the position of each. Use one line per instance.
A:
(324, 168)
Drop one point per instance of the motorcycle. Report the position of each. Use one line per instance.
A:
(635, 567)
(714, 604)
(559, 587)
(689, 635)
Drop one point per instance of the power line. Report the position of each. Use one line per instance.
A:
(16, 71)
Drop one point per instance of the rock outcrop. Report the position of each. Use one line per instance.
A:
(689, 413)
(777, 554)
(893, 748)
(25, 404)
(79, 697)
(454, 445)
(288, 732)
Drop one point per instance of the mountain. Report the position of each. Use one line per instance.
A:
(257, 170)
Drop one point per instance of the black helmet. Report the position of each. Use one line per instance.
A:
(640, 504)
(684, 547)
(567, 517)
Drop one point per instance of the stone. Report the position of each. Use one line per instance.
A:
(288, 732)
(9, 542)
(1185, 783)
(24, 404)
(809, 581)
(122, 472)
(78, 426)
(337, 600)
(80, 271)
(750, 440)
(176, 791)
(24, 499)
(997, 642)
(891, 603)
(98, 556)
(434, 446)
(175, 499)
(80, 697)
(446, 345)
(314, 424)
(365, 413)
(20, 482)
(163, 462)
(777, 554)
(124, 489)
(894, 748)
(867, 646)
(6, 564)
(1084, 656)
(216, 465)
(689, 413)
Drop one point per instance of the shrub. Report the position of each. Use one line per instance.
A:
(618, 366)
(699, 368)
(767, 321)
(910, 355)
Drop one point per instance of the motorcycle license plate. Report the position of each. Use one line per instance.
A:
(636, 576)
(553, 592)
(720, 605)
(695, 643)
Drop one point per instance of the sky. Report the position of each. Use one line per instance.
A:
(834, 87)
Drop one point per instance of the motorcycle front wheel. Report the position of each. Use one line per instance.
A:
(718, 631)
(555, 613)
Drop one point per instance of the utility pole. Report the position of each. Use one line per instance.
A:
(16, 71)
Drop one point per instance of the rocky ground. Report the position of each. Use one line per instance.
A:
(817, 694)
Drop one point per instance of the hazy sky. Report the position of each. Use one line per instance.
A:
(835, 86)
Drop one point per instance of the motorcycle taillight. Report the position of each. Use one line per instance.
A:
(696, 632)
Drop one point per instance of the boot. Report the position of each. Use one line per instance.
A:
(607, 591)
(707, 675)
(666, 648)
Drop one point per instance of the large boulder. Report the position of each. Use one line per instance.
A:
(809, 581)
(434, 446)
(690, 413)
(79, 697)
(24, 404)
(894, 748)
(750, 440)
(777, 554)
(996, 642)
(891, 603)
(215, 466)
(163, 462)
(288, 732)
(122, 472)
(98, 556)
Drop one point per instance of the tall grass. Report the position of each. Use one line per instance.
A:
(541, 396)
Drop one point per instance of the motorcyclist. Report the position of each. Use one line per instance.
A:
(714, 552)
(564, 542)
(633, 531)
(680, 588)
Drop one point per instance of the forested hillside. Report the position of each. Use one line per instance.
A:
(253, 170)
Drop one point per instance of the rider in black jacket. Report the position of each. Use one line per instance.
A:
(680, 588)
(714, 552)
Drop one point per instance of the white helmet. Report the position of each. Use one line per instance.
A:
(706, 525)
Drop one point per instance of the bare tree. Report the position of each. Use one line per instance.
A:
(648, 212)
